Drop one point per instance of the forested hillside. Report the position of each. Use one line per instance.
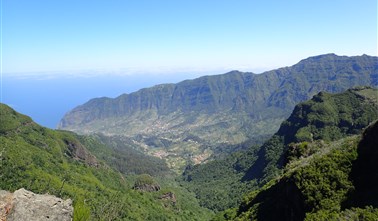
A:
(60, 163)
(338, 182)
(325, 118)
(116, 152)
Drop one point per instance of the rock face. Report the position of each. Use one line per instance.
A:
(146, 183)
(26, 205)
(5, 204)
(147, 187)
(169, 197)
(78, 152)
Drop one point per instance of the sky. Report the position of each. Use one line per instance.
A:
(56, 35)
(58, 54)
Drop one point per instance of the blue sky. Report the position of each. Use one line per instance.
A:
(56, 35)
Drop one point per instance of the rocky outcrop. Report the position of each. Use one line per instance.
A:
(169, 197)
(5, 204)
(79, 152)
(26, 205)
(146, 183)
(147, 187)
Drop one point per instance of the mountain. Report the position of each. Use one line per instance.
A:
(60, 163)
(337, 183)
(193, 120)
(124, 158)
(310, 128)
(325, 117)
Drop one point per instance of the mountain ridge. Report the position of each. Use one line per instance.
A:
(254, 167)
(225, 109)
(330, 185)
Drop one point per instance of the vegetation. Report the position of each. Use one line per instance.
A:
(117, 153)
(145, 182)
(192, 120)
(331, 116)
(326, 117)
(144, 179)
(56, 162)
(219, 184)
(317, 187)
(257, 166)
(316, 167)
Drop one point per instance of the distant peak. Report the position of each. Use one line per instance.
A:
(331, 57)
(326, 55)
(234, 72)
(322, 56)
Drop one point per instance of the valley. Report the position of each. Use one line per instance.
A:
(296, 143)
(197, 120)
(188, 110)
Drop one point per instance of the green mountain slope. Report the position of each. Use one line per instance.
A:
(325, 117)
(118, 154)
(337, 183)
(312, 124)
(190, 120)
(59, 163)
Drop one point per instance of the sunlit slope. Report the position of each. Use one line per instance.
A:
(337, 182)
(312, 125)
(195, 119)
(59, 163)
